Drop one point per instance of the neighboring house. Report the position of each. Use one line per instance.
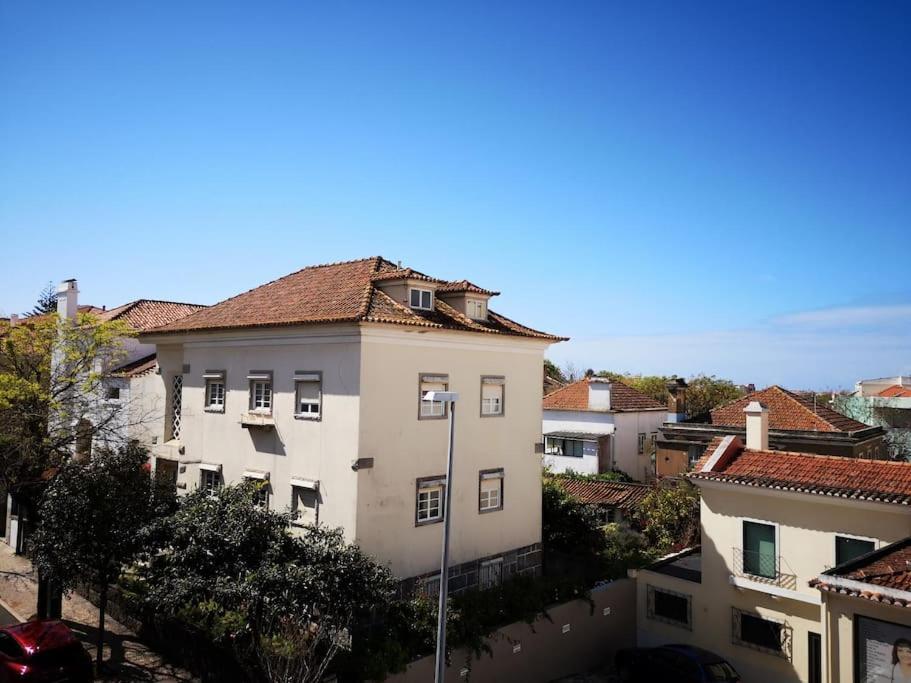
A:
(884, 403)
(796, 423)
(550, 384)
(313, 384)
(598, 425)
(771, 523)
(616, 500)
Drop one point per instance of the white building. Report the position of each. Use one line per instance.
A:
(598, 425)
(313, 384)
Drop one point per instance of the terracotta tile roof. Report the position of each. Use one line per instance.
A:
(881, 576)
(339, 292)
(787, 411)
(622, 398)
(137, 368)
(896, 391)
(465, 286)
(551, 384)
(880, 481)
(144, 314)
(617, 494)
(401, 274)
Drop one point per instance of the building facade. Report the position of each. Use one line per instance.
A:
(314, 385)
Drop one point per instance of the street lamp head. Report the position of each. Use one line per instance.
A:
(442, 396)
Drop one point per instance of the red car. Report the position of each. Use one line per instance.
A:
(42, 652)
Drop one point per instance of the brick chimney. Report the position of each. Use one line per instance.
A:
(757, 426)
(598, 393)
(67, 299)
(676, 400)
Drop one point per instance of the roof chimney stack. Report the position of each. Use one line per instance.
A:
(67, 299)
(676, 400)
(598, 393)
(757, 426)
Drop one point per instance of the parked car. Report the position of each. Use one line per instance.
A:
(42, 652)
(678, 663)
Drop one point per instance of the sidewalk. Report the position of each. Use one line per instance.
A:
(126, 657)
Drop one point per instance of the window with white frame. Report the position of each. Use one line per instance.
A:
(430, 501)
(571, 448)
(304, 502)
(476, 309)
(490, 573)
(490, 495)
(260, 391)
(641, 443)
(428, 383)
(308, 394)
(848, 548)
(492, 395)
(261, 488)
(429, 586)
(215, 390)
(210, 480)
(421, 298)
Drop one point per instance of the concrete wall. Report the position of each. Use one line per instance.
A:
(406, 448)
(626, 447)
(587, 464)
(545, 651)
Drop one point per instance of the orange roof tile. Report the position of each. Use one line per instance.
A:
(465, 286)
(888, 567)
(787, 411)
(622, 398)
(144, 314)
(339, 292)
(896, 391)
(623, 495)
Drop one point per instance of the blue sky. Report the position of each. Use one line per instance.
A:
(718, 187)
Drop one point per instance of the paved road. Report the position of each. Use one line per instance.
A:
(6, 618)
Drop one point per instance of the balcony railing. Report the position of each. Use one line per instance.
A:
(763, 568)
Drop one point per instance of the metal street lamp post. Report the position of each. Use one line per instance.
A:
(449, 398)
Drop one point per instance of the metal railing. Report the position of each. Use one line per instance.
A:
(763, 568)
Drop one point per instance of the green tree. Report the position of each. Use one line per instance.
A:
(287, 603)
(568, 525)
(47, 301)
(92, 518)
(669, 517)
(706, 392)
(553, 371)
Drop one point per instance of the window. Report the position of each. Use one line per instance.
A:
(113, 393)
(421, 298)
(814, 657)
(430, 586)
(209, 480)
(476, 309)
(652, 442)
(848, 548)
(492, 394)
(760, 557)
(641, 443)
(491, 490)
(572, 448)
(758, 633)
(669, 606)
(260, 391)
(308, 393)
(215, 391)
(431, 409)
(490, 573)
(261, 494)
(305, 502)
(176, 404)
(429, 506)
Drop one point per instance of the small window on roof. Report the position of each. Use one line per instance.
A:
(421, 298)
(476, 309)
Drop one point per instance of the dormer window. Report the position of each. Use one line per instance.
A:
(421, 298)
(476, 309)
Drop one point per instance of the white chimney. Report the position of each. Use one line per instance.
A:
(757, 426)
(67, 299)
(598, 393)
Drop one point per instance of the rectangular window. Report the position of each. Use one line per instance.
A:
(308, 394)
(476, 309)
(260, 391)
(670, 607)
(814, 657)
(490, 573)
(261, 494)
(431, 409)
(492, 395)
(571, 448)
(490, 490)
(215, 394)
(429, 586)
(176, 404)
(113, 393)
(429, 503)
(848, 548)
(305, 504)
(765, 635)
(209, 480)
(641, 443)
(421, 298)
(760, 556)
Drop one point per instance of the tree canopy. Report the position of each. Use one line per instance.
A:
(47, 301)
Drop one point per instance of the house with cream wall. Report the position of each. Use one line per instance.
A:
(771, 523)
(313, 385)
(598, 425)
